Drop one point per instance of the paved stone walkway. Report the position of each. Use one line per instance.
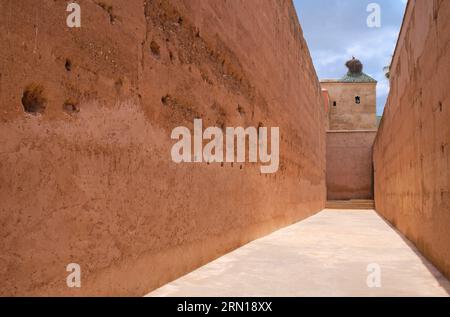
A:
(325, 255)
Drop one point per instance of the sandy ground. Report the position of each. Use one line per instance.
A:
(328, 254)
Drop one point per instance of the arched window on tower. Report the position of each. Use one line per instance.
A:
(357, 100)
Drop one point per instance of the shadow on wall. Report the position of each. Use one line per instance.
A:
(349, 173)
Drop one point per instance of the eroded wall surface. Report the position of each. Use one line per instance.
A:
(89, 179)
(412, 148)
(349, 165)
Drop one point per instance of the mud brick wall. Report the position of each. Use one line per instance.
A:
(86, 174)
(347, 115)
(412, 148)
(349, 172)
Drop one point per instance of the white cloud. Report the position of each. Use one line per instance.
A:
(383, 88)
(336, 30)
(326, 58)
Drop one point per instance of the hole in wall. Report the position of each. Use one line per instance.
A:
(165, 100)
(221, 124)
(33, 99)
(260, 125)
(70, 106)
(240, 109)
(154, 49)
(68, 65)
(118, 84)
(357, 100)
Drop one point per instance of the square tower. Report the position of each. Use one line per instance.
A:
(352, 99)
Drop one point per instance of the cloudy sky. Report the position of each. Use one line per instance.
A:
(336, 30)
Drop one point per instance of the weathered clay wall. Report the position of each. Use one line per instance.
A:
(90, 180)
(347, 114)
(412, 148)
(326, 99)
(349, 165)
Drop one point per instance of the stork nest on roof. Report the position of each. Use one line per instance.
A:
(354, 66)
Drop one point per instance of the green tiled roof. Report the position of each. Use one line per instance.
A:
(357, 78)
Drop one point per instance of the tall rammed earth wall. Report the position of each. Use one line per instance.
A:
(90, 179)
(412, 148)
(349, 173)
